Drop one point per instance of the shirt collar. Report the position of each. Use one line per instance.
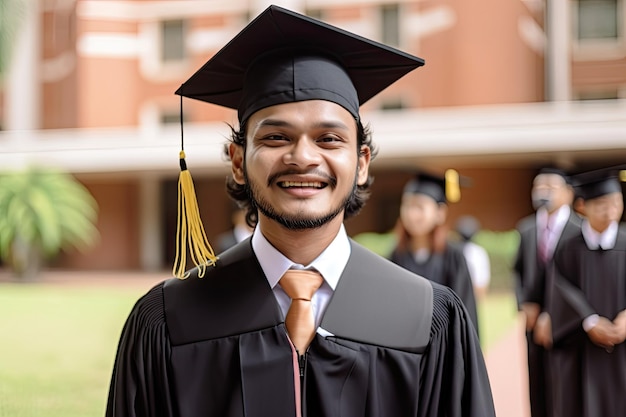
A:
(560, 217)
(330, 263)
(556, 221)
(605, 240)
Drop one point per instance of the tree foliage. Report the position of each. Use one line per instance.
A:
(11, 16)
(41, 213)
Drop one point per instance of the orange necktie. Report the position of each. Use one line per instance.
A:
(300, 285)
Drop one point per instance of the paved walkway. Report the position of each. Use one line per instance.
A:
(506, 359)
(506, 365)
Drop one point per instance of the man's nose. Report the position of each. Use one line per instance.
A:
(304, 152)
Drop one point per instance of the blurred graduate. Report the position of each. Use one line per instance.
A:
(423, 245)
(588, 305)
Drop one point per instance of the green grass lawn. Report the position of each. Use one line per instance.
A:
(496, 314)
(57, 345)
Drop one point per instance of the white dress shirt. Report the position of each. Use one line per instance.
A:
(478, 264)
(556, 223)
(605, 240)
(330, 263)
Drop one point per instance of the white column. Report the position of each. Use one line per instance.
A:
(23, 83)
(150, 224)
(558, 58)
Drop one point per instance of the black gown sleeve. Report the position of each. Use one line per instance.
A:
(460, 281)
(568, 304)
(454, 379)
(140, 380)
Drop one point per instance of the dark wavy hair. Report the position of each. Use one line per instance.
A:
(241, 194)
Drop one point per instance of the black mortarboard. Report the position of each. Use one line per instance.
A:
(599, 182)
(442, 189)
(283, 57)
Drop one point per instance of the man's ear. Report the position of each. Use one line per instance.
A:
(235, 152)
(365, 156)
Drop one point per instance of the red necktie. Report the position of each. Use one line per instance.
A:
(300, 285)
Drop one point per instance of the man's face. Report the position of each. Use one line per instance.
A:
(420, 214)
(601, 211)
(301, 162)
(550, 191)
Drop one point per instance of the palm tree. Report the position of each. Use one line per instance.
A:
(41, 213)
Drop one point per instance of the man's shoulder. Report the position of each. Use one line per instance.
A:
(388, 293)
(526, 224)
(231, 297)
(234, 262)
(380, 303)
(380, 267)
(148, 310)
(448, 310)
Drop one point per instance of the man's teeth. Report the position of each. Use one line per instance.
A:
(314, 184)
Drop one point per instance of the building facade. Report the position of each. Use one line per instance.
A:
(507, 87)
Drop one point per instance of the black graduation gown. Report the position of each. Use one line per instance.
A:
(217, 346)
(532, 285)
(589, 381)
(448, 268)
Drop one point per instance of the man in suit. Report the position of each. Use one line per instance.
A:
(298, 319)
(540, 235)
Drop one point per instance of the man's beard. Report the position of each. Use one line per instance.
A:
(295, 221)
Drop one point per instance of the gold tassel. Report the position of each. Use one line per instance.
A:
(189, 228)
(453, 186)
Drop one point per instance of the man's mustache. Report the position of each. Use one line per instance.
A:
(332, 181)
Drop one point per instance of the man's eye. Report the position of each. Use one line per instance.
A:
(274, 138)
(329, 139)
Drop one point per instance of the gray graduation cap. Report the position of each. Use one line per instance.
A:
(282, 57)
(600, 182)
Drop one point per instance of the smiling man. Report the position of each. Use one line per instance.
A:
(299, 320)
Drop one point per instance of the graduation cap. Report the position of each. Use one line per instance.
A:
(442, 189)
(281, 57)
(600, 182)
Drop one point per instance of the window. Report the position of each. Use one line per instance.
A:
(390, 24)
(392, 104)
(610, 94)
(173, 41)
(597, 19)
(171, 117)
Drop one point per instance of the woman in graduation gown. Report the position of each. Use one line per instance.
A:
(383, 341)
(588, 306)
(423, 247)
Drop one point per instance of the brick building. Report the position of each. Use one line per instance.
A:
(507, 87)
